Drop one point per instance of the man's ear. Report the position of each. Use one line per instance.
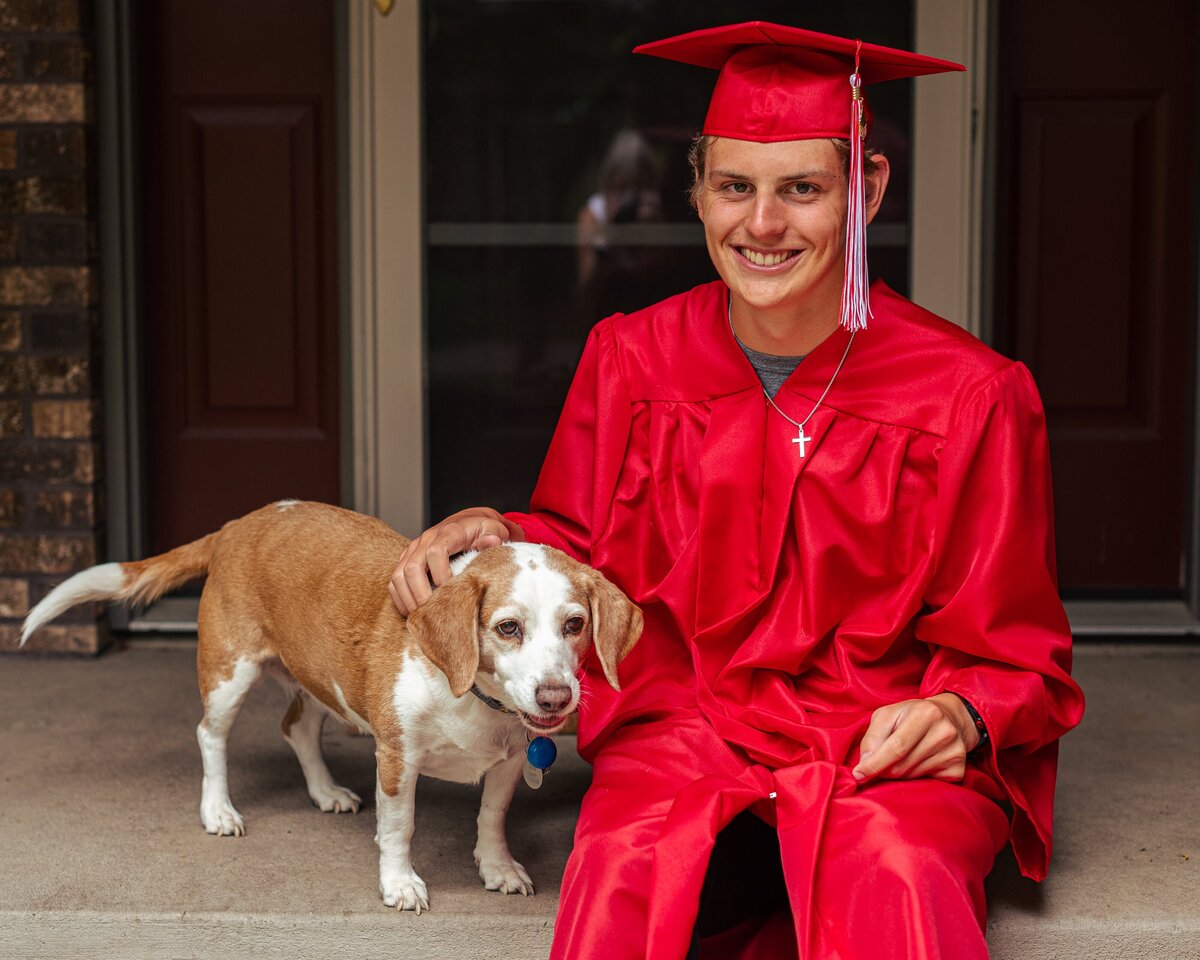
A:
(876, 185)
(446, 626)
(616, 625)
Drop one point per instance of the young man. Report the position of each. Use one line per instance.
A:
(853, 640)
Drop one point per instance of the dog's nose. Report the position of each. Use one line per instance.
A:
(552, 697)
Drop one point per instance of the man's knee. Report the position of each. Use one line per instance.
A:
(611, 845)
(609, 859)
(907, 863)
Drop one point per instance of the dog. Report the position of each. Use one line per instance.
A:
(298, 591)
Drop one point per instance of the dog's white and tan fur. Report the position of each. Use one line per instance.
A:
(299, 591)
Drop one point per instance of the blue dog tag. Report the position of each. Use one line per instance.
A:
(539, 757)
(541, 753)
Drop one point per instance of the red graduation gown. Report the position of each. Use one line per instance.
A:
(910, 552)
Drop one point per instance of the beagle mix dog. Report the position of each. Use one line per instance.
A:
(299, 591)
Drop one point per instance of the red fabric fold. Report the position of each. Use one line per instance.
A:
(700, 811)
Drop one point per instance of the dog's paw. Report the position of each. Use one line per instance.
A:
(222, 820)
(505, 875)
(335, 799)
(405, 891)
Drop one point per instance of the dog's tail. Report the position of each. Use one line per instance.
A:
(139, 581)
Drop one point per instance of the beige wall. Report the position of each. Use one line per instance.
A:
(948, 153)
(386, 271)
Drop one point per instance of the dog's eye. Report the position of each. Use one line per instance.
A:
(573, 625)
(508, 628)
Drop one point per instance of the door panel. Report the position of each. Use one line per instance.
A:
(241, 259)
(1095, 288)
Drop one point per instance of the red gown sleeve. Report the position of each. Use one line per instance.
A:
(993, 620)
(572, 500)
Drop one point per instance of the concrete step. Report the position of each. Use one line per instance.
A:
(102, 854)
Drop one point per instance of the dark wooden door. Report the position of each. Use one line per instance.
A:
(1095, 284)
(239, 129)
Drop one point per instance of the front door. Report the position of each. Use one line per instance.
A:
(240, 205)
(1096, 201)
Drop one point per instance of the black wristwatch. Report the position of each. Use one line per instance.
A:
(979, 725)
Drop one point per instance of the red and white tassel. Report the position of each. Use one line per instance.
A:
(856, 306)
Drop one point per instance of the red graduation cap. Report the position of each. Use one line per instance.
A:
(784, 83)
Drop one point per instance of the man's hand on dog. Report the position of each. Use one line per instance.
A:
(425, 563)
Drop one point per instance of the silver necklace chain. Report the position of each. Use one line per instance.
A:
(799, 424)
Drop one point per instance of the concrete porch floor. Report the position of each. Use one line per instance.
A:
(102, 854)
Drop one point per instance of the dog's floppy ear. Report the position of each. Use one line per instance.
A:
(447, 628)
(616, 625)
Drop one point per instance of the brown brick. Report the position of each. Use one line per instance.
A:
(42, 103)
(57, 195)
(58, 332)
(63, 419)
(53, 148)
(18, 553)
(35, 195)
(46, 553)
(10, 59)
(12, 508)
(54, 241)
(14, 375)
(85, 464)
(59, 375)
(12, 196)
(10, 331)
(65, 554)
(47, 286)
(12, 418)
(48, 461)
(8, 149)
(65, 509)
(39, 16)
(9, 239)
(81, 638)
(61, 58)
(14, 597)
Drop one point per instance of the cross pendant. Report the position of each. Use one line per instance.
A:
(802, 440)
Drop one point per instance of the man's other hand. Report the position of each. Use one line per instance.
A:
(918, 738)
(425, 563)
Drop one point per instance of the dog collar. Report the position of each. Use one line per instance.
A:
(491, 701)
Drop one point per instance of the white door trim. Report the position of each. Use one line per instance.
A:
(948, 162)
(385, 278)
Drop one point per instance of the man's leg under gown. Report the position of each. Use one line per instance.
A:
(636, 778)
(899, 871)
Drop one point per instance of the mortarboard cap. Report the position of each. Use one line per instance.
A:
(783, 83)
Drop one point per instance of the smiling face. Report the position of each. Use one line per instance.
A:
(774, 219)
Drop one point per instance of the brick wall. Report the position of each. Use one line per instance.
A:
(49, 351)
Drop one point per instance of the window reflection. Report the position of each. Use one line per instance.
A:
(629, 192)
(556, 183)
